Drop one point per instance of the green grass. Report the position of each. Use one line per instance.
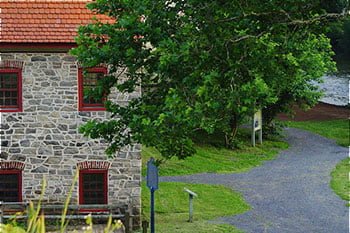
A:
(171, 207)
(216, 160)
(333, 129)
(340, 179)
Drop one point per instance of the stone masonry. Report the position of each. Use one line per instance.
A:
(46, 138)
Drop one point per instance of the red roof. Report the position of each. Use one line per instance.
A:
(43, 21)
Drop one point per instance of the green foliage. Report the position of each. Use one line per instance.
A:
(172, 207)
(334, 129)
(273, 130)
(203, 65)
(8, 228)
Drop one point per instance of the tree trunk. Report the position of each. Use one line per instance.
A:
(233, 131)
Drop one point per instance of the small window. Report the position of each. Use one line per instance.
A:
(11, 186)
(10, 90)
(93, 187)
(88, 81)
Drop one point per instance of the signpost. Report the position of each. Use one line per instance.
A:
(191, 195)
(152, 184)
(257, 126)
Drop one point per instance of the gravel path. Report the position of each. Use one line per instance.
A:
(290, 194)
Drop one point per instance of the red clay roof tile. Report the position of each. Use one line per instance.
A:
(43, 21)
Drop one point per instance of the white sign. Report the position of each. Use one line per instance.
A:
(257, 120)
(257, 126)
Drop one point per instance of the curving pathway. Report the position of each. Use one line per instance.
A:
(290, 194)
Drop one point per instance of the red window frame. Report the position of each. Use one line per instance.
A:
(19, 180)
(19, 107)
(81, 184)
(83, 106)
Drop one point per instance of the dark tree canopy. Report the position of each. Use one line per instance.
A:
(339, 31)
(204, 65)
(335, 6)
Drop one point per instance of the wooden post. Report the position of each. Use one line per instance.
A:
(190, 208)
(1, 212)
(260, 136)
(253, 133)
(145, 226)
(128, 220)
(27, 211)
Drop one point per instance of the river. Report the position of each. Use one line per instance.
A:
(336, 89)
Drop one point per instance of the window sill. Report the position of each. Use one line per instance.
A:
(11, 110)
(91, 109)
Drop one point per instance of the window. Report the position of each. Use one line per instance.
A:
(11, 186)
(87, 82)
(93, 187)
(10, 90)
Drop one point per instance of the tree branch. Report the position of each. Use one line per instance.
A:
(328, 16)
(246, 37)
(290, 21)
(239, 17)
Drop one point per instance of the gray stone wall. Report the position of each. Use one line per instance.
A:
(45, 135)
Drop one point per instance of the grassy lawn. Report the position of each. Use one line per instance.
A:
(334, 129)
(215, 159)
(171, 206)
(339, 131)
(340, 179)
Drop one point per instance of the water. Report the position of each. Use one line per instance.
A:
(336, 89)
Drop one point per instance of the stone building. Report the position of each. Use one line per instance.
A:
(42, 106)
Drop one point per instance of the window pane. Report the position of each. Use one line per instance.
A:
(8, 90)
(14, 102)
(94, 191)
(9, 188)
(89, 83)
(14, 81)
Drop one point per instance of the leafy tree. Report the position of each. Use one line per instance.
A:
(344, 40)
(339, 31)
(335, 6)
(203, 65)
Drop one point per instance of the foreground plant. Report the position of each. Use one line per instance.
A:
(36, 220)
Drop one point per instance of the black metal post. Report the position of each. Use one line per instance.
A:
(152, 210)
